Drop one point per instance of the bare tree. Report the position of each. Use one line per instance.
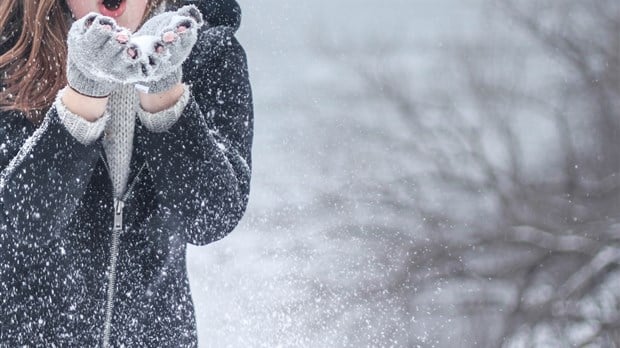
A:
(503, 195)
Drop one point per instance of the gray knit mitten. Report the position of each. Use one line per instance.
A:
(100, 56)
(165, 41)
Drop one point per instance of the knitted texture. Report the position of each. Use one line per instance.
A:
(119, 132)
(96, 61)
(162, 85)
(165, 41)
(162, 121)
(86, 132)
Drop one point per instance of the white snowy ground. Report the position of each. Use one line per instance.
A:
(282, 278)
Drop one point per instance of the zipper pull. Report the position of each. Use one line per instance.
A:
(118, 214)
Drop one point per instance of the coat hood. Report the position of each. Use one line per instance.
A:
(218, 12)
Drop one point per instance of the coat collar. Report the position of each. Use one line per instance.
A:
(216, 12)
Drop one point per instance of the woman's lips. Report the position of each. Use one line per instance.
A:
(117, 12)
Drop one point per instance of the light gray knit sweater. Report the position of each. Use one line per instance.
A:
(118, 124)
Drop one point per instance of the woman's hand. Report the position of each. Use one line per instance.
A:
(165, 41)
(103, 55)
(100, 56)
(155, 102)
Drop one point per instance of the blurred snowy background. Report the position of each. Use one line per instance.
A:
(427, 173)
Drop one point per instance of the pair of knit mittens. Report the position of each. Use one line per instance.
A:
(102, 55)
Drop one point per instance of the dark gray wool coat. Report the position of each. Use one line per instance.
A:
(57, 210)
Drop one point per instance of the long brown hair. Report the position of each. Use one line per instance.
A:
(33, 53)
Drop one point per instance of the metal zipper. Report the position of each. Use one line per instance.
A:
(119, 204)
(118, 227)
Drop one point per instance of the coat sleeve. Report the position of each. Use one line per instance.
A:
(44, 174)
(201, 165)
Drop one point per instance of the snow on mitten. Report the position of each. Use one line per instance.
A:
(165, 41)
(100, 56)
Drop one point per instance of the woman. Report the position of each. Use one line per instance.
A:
(126, 132)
